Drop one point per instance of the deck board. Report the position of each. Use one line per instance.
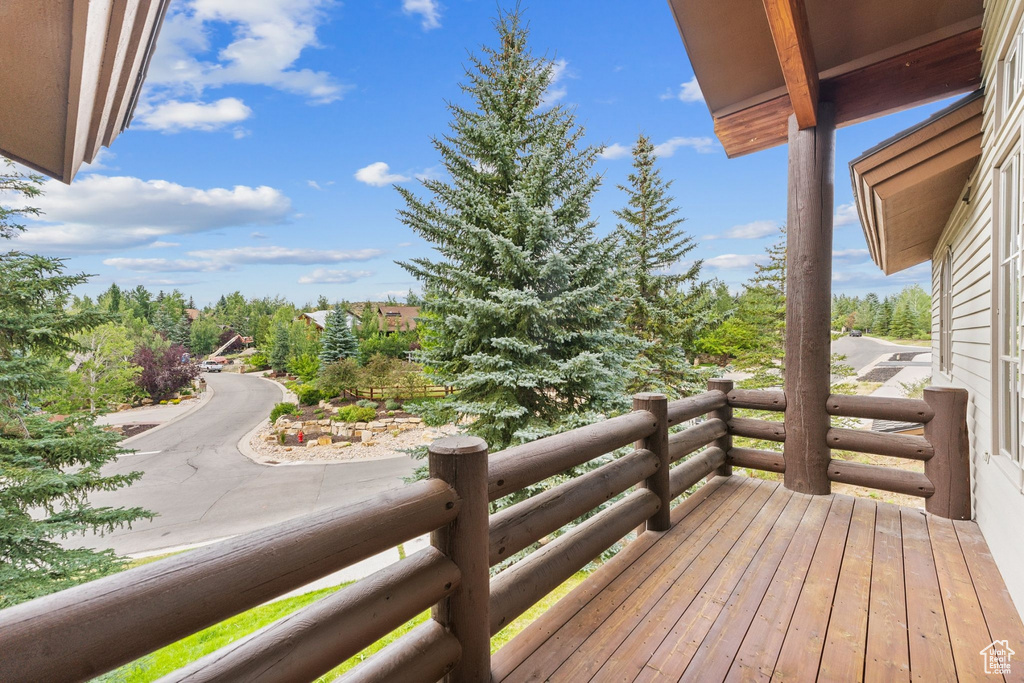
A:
(754, 582)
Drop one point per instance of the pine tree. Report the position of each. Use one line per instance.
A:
(180, 332)
(280, 350)
(337, 340)
(663, 317)
(519, 312)
(48, 469)
(763, 307)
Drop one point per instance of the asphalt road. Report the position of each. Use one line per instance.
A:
(862, 351)
(204, 489)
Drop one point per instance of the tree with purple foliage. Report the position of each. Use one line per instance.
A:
(163, 371)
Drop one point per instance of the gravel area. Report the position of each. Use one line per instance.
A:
(382, 446)
(880, 374)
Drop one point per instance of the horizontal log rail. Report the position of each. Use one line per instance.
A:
(686, 409)
(882, 478)
(520, 466)
(758, 399)
(516, 589)
(880, 408)
(681, 444)
(757, 459)
(751, 428)
(878, 443)
(426, 653)
(524, 523)
(312, 641)
(695, 468)
(82, 632)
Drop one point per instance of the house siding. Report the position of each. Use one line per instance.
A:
(998, 500)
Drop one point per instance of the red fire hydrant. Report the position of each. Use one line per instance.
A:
(301, 436)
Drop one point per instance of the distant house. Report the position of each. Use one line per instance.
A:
(317, 318)
(391, 317)
(192, 313)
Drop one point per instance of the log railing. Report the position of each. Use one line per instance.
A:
(85, 631)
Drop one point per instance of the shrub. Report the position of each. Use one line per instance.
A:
(175, 401)
(308, 395)
(392, 404)
(283, 409)
(259, 361)
(186, 392)
(367, 403)
(338, 376)
(281, 437)
(355, 414)
(305, 366)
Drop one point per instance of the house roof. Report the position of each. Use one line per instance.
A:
(70, 74)
(906, 187)
(319, 318)
(758, 61)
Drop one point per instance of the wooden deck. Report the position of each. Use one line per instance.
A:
(755, 582)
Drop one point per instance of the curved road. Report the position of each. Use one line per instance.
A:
(862, 351)
(204, 489)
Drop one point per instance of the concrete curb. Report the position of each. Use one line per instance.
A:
(207, 395)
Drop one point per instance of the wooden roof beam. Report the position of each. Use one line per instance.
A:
(946, 67)
(792, 38)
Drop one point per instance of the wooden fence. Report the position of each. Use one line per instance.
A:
(381, 393)
(85, 631)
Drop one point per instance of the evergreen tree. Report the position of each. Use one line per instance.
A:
(902, 320)
(180, 332)
(47, 469)
(280, 350)
(661, 316)
(337, 340)
(520, 313)
(763, 308)
(880, 325)
(369, 323)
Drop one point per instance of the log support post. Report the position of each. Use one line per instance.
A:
(724, 414)
(461, 461)
(657, 443)
(808, 302)
(949, 469)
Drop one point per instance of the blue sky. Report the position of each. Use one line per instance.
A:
(263, 151)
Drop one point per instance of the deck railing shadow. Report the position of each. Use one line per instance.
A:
(91, 629)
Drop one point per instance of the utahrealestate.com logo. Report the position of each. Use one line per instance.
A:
(997, 657)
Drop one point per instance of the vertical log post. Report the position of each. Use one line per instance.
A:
(808, 302)
(724, 414)
(949, 469)
(462, 462)
(657, 443)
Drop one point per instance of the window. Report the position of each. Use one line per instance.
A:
(946, 313)
(1011, 75)
(1010, 325)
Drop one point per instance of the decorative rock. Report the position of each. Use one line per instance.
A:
(365, 435)
(375, 425)
(343, 444)
(324, 441)
(360, 425)
(312, 444)
(310, 423)
(415, 420)
(291, 431)
(324, 423)
(369, 443)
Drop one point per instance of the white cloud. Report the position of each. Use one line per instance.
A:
(429, 173)
(730, 261)
(314, 184)
(103, 213)
(333, 277)
(702, 145)
(614, 151)
(556, 89)
(265, 40)
(101, 162)
(850, 256)
(162, 265)
(379, 174)
(748, 231)
(429, 11)
(163, 245)
(688, 92)
(286, 255)
(258, 236)
(173, 116)
(846, 214)
(404, 244)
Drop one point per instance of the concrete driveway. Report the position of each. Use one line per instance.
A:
(861, 352)
(204, 489)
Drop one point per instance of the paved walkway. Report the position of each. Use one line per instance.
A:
(204, 489)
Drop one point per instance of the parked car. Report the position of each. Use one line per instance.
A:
(856, 333)
(210, 366)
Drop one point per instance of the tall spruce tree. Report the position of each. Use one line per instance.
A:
(47, 468)
(665, 308)
(337, 340)
(280, 350)
(519, 311)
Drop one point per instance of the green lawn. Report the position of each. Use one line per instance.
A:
(177, 655)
